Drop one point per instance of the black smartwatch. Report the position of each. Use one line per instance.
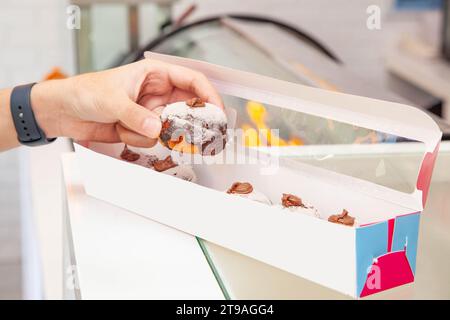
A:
(28, 131)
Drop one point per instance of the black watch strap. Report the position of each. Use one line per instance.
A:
(28, 131)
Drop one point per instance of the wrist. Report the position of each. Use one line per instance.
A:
(47, 101)
(8, 131)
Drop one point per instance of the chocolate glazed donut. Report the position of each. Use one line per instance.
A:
(194, 126)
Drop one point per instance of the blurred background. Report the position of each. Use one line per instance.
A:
(339, 45)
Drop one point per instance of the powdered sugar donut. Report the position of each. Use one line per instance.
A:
(194, 126)
(245, 190)
(293, 203)
(184, 172)
(138, 158)
(166, 165)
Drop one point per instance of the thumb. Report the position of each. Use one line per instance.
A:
(139, 119)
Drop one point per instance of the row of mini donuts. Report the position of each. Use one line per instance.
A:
(288, 202)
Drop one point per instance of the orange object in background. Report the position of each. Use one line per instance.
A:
(262, 135)
(295, 141)
(56, 73)
(257, 113)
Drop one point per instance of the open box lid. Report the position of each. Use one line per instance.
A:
(388, 117)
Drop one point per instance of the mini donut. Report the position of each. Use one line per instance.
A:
(245, 190)
(168, 166)
(342, 218)
(184, 172)
(138, 158)
(295, 204)
(194, 126)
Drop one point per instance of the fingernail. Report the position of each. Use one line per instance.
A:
(152, 127)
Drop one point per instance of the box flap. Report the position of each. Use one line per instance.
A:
(389, 117)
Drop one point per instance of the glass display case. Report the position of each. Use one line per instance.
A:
(378, 157)
(111, 29)
(306, 138)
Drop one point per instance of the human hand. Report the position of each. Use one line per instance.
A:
(120, 104)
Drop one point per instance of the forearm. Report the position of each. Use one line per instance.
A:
(46, 103)
(111, 106)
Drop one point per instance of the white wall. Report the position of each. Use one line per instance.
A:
(33, 40)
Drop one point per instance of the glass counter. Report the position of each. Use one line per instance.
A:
(241, 277)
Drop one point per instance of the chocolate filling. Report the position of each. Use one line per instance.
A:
(165, 164)
(290, 200)
(240, 188)
(342, 218)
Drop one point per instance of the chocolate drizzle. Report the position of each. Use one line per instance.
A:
(195, 102)
(129, 155)
(342, 218)
(165, 164)
(240, 188)
(290, 200)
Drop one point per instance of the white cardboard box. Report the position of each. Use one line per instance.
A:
(357, 261)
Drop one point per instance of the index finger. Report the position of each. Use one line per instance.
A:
(194, 82)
